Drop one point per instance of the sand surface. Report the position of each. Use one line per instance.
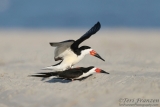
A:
(132, 59)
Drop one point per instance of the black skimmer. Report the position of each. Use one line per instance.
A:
(73, 74)
(70, 53)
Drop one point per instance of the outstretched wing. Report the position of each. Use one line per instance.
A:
(89, 33)
(61, 48)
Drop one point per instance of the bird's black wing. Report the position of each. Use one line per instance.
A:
(70, 74)
(92, 31)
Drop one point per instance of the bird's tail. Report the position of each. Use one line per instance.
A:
(45, 75)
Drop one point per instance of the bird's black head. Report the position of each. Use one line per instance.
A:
(84, 48)
(93, 69)
(90, 67)
(86, 69)
(88, 50)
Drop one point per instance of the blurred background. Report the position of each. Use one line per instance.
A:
(48, 14)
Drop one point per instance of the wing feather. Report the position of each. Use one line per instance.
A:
(61, 48)
(89, 33)
(71, 74)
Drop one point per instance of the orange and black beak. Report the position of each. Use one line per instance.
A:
(104, 72)
(100, 71)
(94, 53)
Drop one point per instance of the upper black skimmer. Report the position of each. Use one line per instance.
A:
(73, 74)
(70, 53)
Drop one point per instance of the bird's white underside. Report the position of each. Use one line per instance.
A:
(86, 74)
(69, 60)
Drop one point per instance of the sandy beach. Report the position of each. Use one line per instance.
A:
(132, 59)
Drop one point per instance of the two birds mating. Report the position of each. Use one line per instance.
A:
(69, 53)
